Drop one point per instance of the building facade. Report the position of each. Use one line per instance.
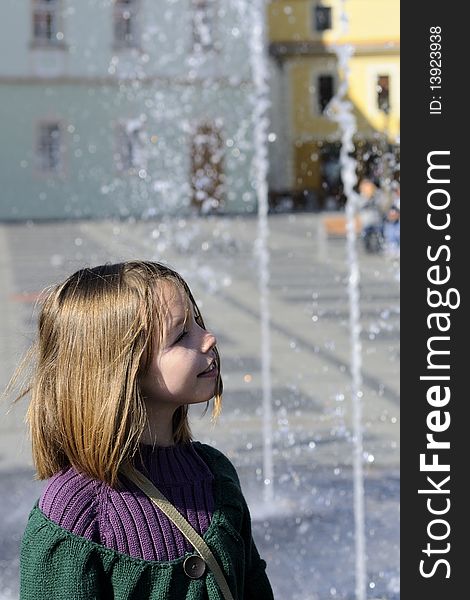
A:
(124, 108)
(303, 36)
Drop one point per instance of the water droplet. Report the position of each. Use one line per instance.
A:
(57, 260)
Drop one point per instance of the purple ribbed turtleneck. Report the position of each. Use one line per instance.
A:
(126, 520)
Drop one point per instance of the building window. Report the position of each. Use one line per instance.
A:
(49, 148)
(325, 91)
(207, 179)
(46, 21)
(203, 25)
(125, 23)
(321, 18)
(129, 155)
(383, 93)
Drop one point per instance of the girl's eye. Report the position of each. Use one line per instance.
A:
(180, 337)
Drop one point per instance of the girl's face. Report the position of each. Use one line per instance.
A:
(183, 370)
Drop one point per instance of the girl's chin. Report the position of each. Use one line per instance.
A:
(201, 400)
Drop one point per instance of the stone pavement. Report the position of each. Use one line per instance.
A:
(306, 534)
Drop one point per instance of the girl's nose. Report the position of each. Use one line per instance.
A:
(209, 341)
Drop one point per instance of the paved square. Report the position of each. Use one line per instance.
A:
(307, 537)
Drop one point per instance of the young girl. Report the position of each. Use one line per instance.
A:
(122, 352)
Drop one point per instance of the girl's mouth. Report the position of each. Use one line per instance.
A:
(211, 370)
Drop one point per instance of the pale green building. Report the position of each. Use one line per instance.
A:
(124, 108)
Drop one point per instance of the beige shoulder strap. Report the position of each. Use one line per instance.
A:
(183, 525)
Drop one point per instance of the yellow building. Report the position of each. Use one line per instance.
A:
(303, 35)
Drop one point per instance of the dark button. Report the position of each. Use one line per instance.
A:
(194, 567)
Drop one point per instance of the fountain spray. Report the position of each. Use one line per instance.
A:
(256, 13)
(340, 110)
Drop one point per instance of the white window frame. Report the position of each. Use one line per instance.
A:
(319, 110)
(328, 68)
(131, 133)
(373, 73)
(202, 128)
(389, 90)
(45, 162)
(53, 36)
(203, 25)
(126, 11)
(313, 21)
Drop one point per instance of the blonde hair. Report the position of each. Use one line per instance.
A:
(96, 338)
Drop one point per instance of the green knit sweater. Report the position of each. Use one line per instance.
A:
(59, 565)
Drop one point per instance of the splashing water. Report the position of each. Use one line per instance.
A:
(259, 67)
(340, 110)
